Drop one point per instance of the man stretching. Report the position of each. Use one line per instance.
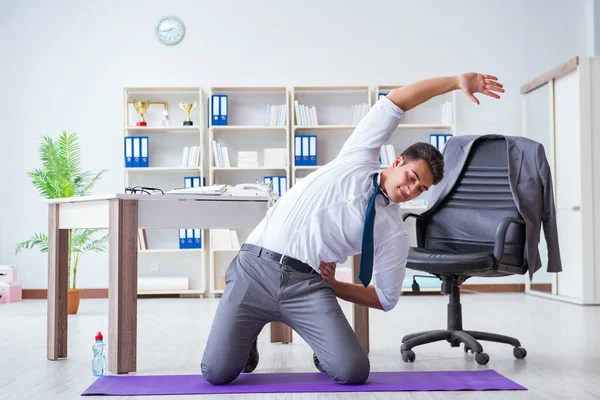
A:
(286, 269)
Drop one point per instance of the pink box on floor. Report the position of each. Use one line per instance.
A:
(10, 292)
(8, 273)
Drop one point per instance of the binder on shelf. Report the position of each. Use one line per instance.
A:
(312, 150)
(144, 151)
(282, 185)
(305, 149)
(223, 109)
(197, 239)
(128, 152)
(136, 151)
(216, 113)
(191, 181)
(182, 239)
(189, 238)
(297, 150)
(439, 140)
(276, 185)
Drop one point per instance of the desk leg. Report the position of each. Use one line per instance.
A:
(58, 286)
(360, 313)
(280, 332)
(122, 286)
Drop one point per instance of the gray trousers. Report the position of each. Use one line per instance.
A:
(258, 291)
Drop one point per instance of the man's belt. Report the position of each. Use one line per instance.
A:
(280, 258)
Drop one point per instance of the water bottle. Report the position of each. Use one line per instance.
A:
(99, 360)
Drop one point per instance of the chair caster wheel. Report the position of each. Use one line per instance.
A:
(519, 353)
(482, 358)
(318, 363)
(408, 356)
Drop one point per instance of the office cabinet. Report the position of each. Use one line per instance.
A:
(561, 110)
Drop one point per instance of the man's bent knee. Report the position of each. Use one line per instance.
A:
(354, 372)
(218, 373)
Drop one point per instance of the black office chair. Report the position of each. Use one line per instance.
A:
(475, 231)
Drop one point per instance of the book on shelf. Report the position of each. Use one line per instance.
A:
(224, 239)
(446, 113)
(305, 115)
(142, 240)
(276, 115)
(358, 112)
(190, 157)
(387, 154)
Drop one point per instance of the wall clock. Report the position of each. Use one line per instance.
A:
(170, 30)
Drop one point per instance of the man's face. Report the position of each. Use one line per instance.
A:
(407, 180)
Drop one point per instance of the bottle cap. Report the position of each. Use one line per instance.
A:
(99, 336)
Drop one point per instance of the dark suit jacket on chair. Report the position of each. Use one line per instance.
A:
(531, 187)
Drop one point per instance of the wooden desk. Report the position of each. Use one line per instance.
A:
(122, 215)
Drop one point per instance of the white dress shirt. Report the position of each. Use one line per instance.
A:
(321, 218)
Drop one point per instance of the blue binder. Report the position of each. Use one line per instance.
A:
(136, 151)
(216, 107)
(128, 151)
(305, 149)
(223, 109)
(182, 238)
(144, 156)
(298, 150)
(312, 150)
(197, 239)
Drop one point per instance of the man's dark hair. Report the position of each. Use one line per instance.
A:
(428, 153)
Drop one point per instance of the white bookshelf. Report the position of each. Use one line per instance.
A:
(248, 129)
(166, 170)
(327, 114)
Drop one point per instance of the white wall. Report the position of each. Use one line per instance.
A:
(64, 68)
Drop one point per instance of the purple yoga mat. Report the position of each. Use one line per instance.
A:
(136, 385)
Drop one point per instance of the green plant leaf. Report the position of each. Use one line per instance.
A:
(38, 240)
(60, 175)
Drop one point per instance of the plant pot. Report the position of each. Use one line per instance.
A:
(73, 300)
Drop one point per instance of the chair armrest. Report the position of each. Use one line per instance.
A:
(501, 235)
(417, 216)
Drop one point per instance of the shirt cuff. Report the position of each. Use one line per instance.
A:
(387, 304)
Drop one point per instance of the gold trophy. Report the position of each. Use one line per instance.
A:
(187, 107)
(141, 107)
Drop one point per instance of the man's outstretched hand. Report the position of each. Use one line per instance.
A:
(472, 82)
(328, 271)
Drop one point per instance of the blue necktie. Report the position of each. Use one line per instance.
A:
(366, 258)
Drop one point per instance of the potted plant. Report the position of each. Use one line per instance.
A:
(61, 176)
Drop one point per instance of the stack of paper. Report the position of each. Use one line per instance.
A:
(275, 158)
(202, 190)
(247, 159)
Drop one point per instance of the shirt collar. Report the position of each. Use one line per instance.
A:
(388, 201)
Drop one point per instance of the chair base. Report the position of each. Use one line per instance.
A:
(455, 338)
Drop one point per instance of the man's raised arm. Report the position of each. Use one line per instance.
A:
(412, 95)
